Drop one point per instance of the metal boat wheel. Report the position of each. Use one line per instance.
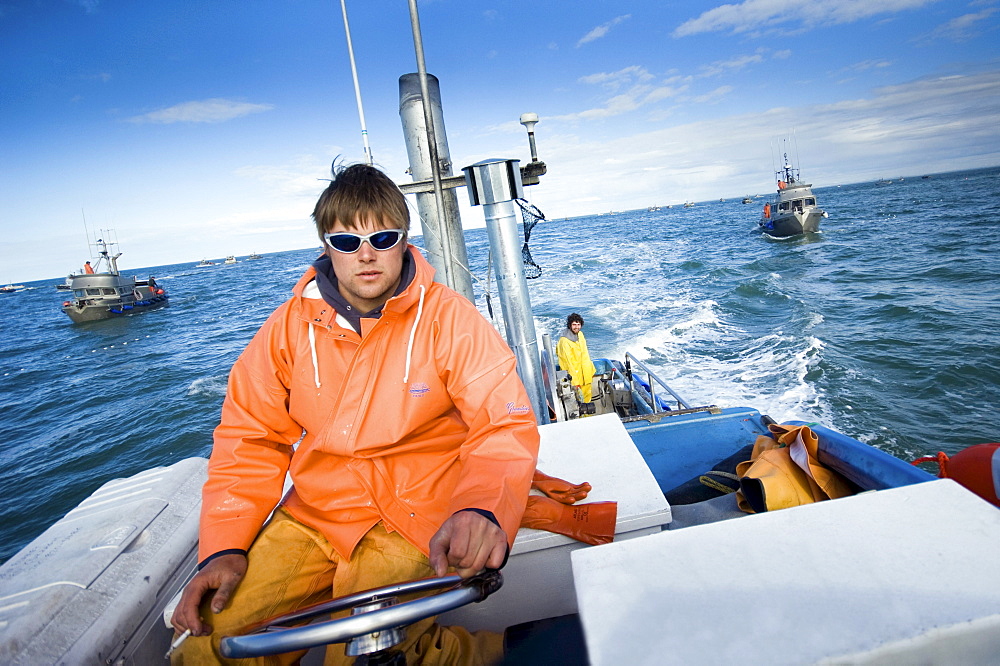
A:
(376, 621)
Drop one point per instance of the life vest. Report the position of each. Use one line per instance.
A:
(977, 468)
(767, 210)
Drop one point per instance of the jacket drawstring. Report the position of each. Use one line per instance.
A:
(312, 348)
(413, 333)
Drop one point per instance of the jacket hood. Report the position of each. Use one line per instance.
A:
(423, 274)
(569, 335)
(315, 311)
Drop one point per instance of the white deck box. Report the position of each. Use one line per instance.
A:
(538, 578)
(908, 575)
(91, 588)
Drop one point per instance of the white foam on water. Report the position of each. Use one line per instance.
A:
(211, 387)
(767, 373)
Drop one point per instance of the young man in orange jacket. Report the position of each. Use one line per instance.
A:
(398, 412)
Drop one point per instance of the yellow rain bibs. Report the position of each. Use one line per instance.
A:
(784, 471)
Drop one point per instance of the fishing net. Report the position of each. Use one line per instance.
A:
(531, 216)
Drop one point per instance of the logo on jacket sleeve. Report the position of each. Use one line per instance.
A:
(517, 409)
(417, 389)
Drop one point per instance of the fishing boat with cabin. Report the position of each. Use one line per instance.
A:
(102, 292)
(793, 210)
(831, 551)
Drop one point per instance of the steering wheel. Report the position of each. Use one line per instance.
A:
(274, 636)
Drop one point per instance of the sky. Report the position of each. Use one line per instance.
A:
(203, 129)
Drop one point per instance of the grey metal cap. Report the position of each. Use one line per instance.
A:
(493, 180)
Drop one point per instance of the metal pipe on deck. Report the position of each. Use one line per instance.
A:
(427, 147)
(494, 184)
(439, 215)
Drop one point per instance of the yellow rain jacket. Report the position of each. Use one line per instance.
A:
(784, 471)
(575, 359)
(420, 416)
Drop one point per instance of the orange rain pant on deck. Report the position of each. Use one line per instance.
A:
(292, 566)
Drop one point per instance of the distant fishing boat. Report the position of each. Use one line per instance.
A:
(12, 288)
(689, 204)
(747, 199)
(105, 294)
(230, 260)
(254, 255)
(793, 210)
(204, 263)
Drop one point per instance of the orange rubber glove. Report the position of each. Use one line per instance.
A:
(559, 490)
(592, 523)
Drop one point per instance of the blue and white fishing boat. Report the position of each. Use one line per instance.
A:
(105, 293)
(793, 210)
(866, 578)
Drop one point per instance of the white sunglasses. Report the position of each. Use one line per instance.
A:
(348, 243)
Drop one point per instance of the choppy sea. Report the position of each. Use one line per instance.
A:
(885, 326)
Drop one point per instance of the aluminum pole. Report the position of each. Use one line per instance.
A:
(442, 237)
(418, 46)
(495, 184)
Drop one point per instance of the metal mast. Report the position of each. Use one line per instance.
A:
(357, 88)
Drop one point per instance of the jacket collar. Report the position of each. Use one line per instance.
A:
(416, 271)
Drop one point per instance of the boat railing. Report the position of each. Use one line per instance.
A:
(646, 395)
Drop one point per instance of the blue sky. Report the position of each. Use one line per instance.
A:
(202, 129)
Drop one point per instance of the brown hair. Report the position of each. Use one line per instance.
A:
(574, 317)
(359, 192)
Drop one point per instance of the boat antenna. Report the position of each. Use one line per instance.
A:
(432, 147)
(357, 88)
(795, 147)
(86, 232)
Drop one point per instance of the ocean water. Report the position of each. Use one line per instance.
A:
(885, 326)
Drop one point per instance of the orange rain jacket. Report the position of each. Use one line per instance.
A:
(419, 417)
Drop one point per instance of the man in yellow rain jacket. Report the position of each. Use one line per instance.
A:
(574, 357)
(397, 410)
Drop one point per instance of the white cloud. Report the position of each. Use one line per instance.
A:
(216, 110)
(89, 6)
(289, 180)
(754, 15)
(933, 124)
(865, 65)
(731, 65)
(963, 28)
(615, 80)
(713, 95)
(602, 30)
(633, 88)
